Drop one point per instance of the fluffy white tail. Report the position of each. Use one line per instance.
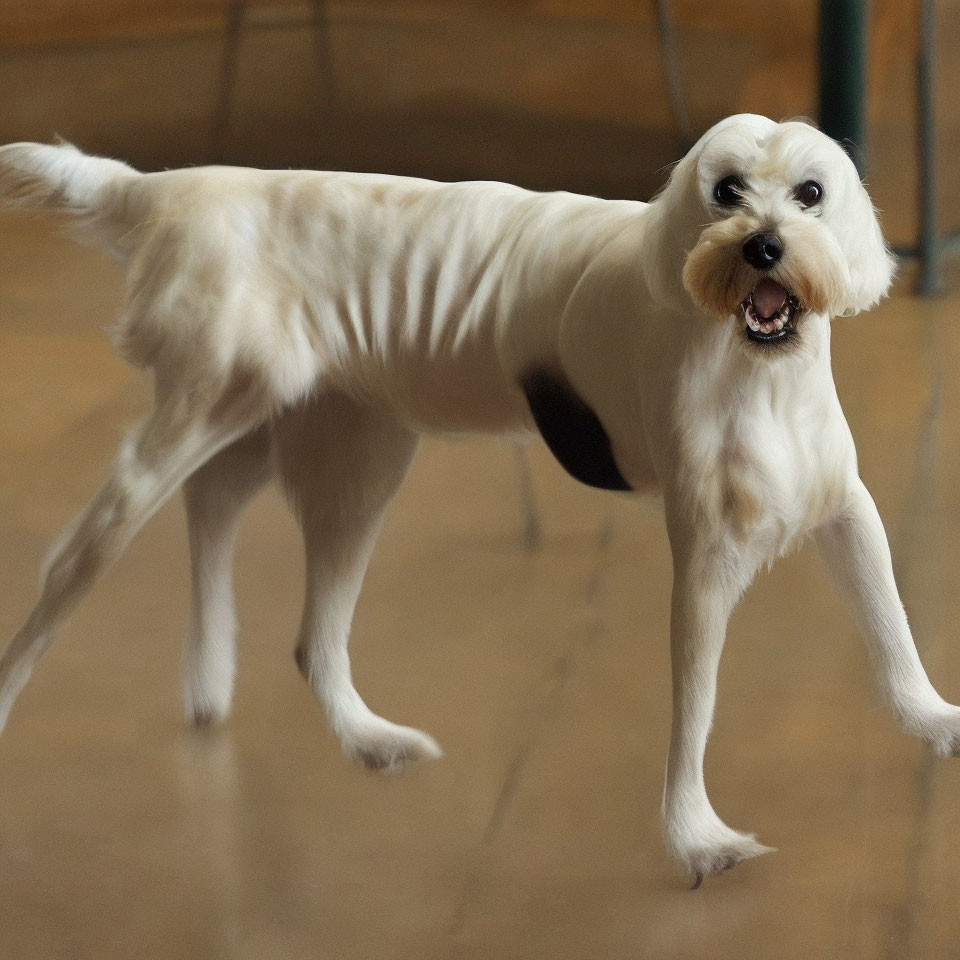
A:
(61, 178)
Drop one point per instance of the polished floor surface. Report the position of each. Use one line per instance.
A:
(521, 619)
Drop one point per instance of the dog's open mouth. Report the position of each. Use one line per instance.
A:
(770, 311)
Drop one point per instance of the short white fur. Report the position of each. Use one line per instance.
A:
(311, 325)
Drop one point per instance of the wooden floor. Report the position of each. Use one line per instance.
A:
(521, 619)
(537, 657)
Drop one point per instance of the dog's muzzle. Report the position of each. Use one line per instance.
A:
(771, 312)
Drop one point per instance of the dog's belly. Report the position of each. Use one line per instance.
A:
(466, 393)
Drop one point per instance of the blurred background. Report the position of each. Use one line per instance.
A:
(547, 93)
(519, 617)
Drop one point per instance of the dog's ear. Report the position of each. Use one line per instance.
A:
(674, 222)
(871, 264)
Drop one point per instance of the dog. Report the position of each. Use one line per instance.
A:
(312, 325)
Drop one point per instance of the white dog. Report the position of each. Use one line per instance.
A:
(313, 324)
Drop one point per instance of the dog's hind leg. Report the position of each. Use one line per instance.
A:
(182, 433)
(341, 463)
(215, 496)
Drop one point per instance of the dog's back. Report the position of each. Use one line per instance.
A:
(398, 288)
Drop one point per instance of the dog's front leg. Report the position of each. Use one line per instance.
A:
(708, 581)
(855, 550)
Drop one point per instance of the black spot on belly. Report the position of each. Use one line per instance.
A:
(572, 431)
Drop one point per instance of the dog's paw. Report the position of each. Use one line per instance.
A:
(207, 684)
(947, 744)
(203, 715)
(939, 727)
(707, 854)
(943, 733)
(202, 710)
(206, 706)
(387, 747)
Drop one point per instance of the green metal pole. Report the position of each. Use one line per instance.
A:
(929, 247)
(843, 75)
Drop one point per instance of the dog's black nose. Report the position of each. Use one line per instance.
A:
(762, 250)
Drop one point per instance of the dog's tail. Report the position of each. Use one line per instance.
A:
(95, 192)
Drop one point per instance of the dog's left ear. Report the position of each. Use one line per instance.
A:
(871, 264)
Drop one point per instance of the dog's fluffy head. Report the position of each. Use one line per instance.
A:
(763, 222)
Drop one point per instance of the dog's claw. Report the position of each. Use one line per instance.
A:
(722, 867)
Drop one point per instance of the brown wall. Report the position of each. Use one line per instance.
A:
(549, 93)
(53, 21)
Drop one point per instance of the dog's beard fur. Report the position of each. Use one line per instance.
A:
(812, 269)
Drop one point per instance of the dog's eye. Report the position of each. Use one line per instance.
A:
(729, 192)
(809, 193)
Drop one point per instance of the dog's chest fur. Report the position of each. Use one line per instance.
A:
(762, 452)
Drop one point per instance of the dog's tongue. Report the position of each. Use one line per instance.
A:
(768, 297)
